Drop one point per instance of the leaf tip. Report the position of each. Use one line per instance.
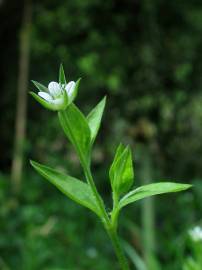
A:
(187, 186)
(32, 162)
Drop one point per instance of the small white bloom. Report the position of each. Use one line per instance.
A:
(54, 89)
(196, 234)
(57, 96)
(70, 88)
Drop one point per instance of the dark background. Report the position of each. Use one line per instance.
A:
(146, 57)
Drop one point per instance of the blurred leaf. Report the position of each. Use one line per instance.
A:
(191, 264)
(73, 188)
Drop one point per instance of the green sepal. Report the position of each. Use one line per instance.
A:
(43, 102)
(49, 105)
(94, 118)
(73, 188)
(40, 86)
(62, 79)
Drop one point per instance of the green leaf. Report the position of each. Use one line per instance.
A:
(40, 86)
(76, 129)
(62, 78)
(151, 190)
(94, 118)
(73, 188)
(121, 172)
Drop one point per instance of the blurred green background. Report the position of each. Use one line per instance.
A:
(145, 55)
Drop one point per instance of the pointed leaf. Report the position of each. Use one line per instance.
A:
(120, 149)
(76, 128)
(150, 190)
(121, 172)
(73, 188)
(94, 118)
(62, 78)
(40, 86)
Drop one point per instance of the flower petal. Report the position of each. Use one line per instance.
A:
(54, 89)
(70, 88)
(45, 96)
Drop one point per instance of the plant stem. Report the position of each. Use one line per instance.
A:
(109, 226)
(118, 249)
(89, 177)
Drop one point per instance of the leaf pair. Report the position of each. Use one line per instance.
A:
(81, 193)
(82, 131)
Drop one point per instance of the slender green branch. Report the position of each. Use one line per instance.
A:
(115, 211)
(110, 226)
(99, 200)
(118, 249)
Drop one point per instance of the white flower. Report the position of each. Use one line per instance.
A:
(196, 234)
(56, 91)
(58, 96)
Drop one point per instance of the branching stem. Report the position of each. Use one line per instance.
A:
(110, 226)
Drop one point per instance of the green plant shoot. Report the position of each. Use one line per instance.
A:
(81, 131)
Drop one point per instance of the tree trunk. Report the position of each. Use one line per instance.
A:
(21, 106)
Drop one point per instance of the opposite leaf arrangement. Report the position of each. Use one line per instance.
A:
(81, 132)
